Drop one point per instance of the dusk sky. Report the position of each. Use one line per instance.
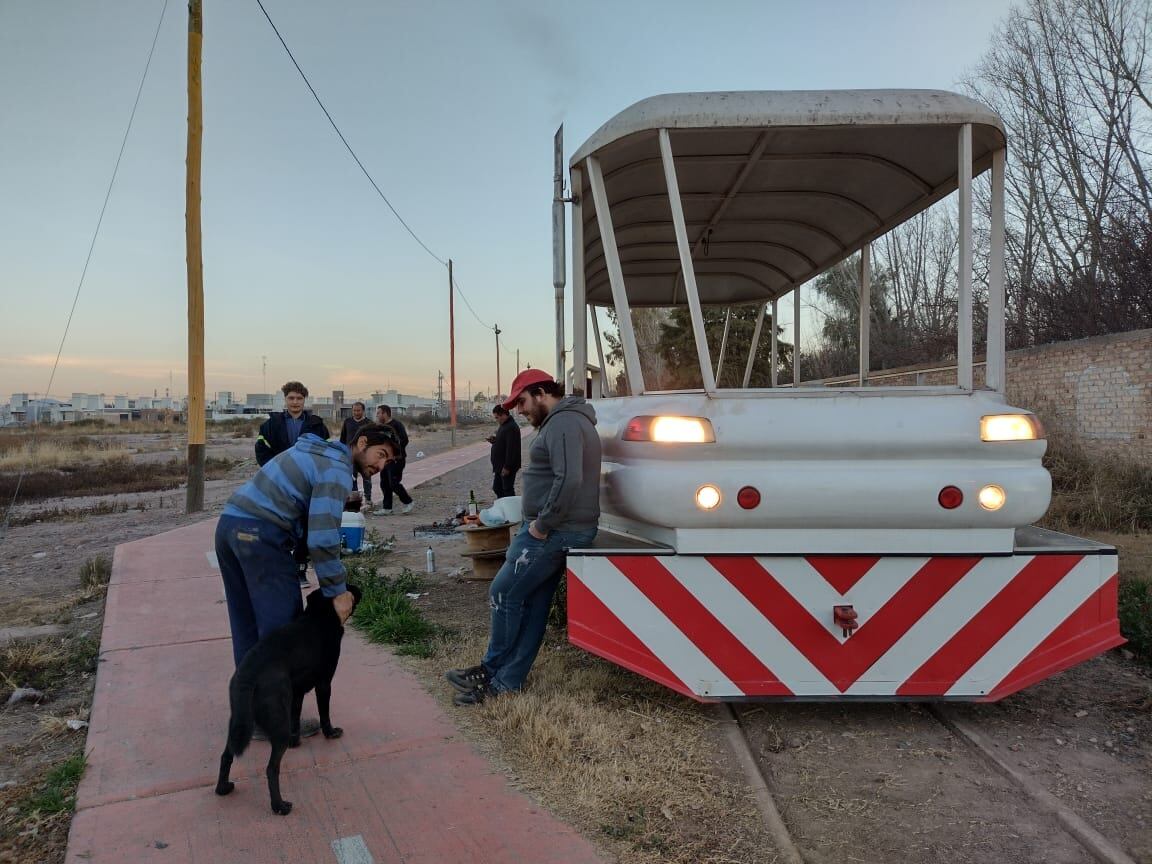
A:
(451, 106)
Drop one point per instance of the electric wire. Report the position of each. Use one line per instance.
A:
(375, 185)
(87, 261)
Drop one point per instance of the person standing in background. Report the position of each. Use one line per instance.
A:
(279, 433)
(505, 453)
(391, 479)
(348, 431)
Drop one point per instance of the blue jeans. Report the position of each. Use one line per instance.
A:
(260, 579)
(520, 597)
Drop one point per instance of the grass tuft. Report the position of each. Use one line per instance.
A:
(95, 572)
(386, 614)
(58, 793)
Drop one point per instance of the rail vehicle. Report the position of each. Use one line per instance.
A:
(791, 540)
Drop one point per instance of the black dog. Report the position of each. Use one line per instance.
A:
(269, 686)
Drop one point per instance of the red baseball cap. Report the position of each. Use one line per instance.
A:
(524, 380)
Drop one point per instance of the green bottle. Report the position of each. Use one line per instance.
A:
(473, 507)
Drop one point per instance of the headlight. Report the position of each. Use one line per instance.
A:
(670, 430)
(1010, 427)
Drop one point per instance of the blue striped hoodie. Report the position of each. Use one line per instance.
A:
(309, 480)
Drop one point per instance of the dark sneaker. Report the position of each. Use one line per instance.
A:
(308, 728)
(475, 696)
(468, 679)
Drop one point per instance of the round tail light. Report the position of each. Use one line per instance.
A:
(950, 497)
(748, 497)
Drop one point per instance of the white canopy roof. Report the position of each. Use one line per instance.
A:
(777, 186)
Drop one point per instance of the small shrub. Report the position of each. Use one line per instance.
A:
(1135, 607)
(95, 572)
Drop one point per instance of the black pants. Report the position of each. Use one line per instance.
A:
(390, 482)
(504, 487)
(357, 476)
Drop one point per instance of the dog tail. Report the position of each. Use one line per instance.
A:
(241, 696)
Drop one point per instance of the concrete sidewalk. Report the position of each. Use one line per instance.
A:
(401, 785)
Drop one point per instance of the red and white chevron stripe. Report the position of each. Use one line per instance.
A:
(723, 627)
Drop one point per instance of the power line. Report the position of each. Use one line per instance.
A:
(87, 260)
(356, 158)
(348, 146)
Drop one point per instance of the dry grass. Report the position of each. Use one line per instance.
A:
(104, 478)
(62, 453)
(1093, 492)
(618, 756)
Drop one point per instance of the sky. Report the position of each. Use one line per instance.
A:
(451, 106)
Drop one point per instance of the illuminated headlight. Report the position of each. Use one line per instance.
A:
(672, 430)
(991, 497)
(1010, 427)
(707, 497)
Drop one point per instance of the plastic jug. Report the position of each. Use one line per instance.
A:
(352, 531)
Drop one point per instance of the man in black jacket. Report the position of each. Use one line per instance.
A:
(282, 428)
(348, 431)
(391, 477)
(505, 453)
(280, 432)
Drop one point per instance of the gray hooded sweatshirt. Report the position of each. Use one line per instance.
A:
(562, 478)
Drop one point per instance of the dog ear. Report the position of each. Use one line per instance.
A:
(355, 591)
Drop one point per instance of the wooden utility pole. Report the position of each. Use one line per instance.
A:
(497, 329)
(196, 430)
(451, 353)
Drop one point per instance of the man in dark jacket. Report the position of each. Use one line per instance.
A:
(561, 512)
(392, 477)
(505, 453)
(282, 428)
(279, 433)
(348, 431)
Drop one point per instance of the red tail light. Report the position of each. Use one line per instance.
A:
(748, 497)
(950, 497)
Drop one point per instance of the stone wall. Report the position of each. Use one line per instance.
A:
(1098, 389)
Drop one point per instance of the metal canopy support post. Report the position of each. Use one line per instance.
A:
(994, 350)
(964, 313)
(632, 370)
(690, 289)
(559, 267)
(865, 312)
(579, 290)
(774, 361)
(761, 312)
(724, 342)
(796, 336)
(599, 351)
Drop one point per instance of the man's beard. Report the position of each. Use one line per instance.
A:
(536, 415)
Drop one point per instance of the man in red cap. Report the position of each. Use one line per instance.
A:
(561, 505)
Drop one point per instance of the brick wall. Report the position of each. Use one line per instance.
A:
(1098, 389)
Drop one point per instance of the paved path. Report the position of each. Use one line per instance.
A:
(401, 785)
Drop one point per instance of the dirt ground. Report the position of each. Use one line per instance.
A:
(643, 772)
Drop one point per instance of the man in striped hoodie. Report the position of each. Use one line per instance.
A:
(307, 484)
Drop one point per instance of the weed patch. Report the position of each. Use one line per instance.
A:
(44, 663)
(386, 614)
(58, 794)
(1135, 608)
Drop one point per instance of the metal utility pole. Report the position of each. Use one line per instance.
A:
(451, 352)
(264, 359)
(196, 431)
(559, 266)
(497, 329)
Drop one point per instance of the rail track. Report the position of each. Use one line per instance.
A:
(805, 832)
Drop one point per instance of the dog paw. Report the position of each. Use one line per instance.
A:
(334, 732)
(282, 809)
(294, 741)
(225, 788)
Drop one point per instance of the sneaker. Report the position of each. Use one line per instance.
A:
(384, 511)
(409, 507)
(466, 680)
(475, 696)
(366, 507)
(308, 728)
